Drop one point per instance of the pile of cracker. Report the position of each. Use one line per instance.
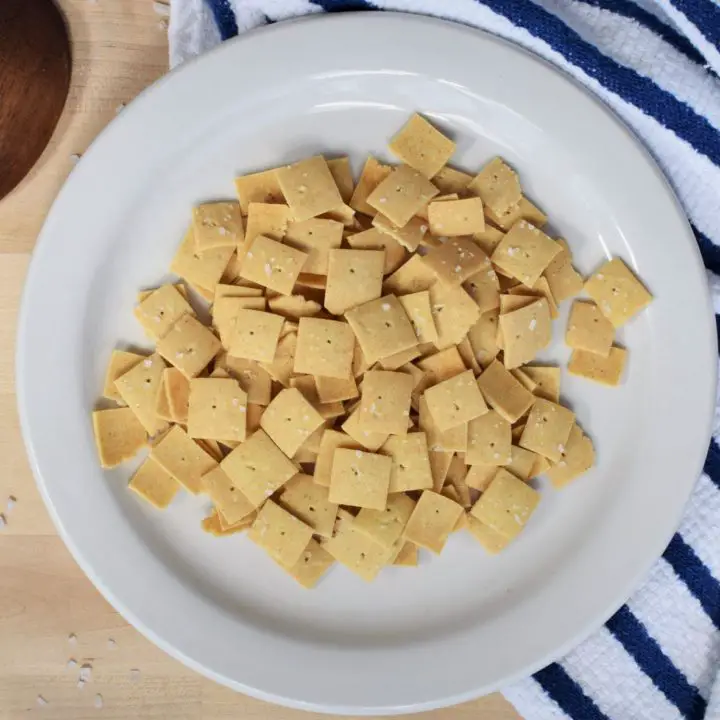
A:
(364, 385)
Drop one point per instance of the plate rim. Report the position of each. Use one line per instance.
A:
(21, 387)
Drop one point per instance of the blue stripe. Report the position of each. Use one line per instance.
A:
(712, 461)
(343, 5)
(709, 250)
(650, 658)
(224, 18)
(653, 23)
(704, 15)
(567, 693)
(696, 575)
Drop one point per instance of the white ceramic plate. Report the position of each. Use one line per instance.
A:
(464, 623)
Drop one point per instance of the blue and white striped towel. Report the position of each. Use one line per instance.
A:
(656, 63)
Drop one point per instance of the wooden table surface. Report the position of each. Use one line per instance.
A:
(119, 47)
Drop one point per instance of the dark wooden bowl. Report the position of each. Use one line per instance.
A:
(35, 64)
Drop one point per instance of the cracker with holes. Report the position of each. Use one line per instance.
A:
(450, 181)
(332, 390)
(422, 146)
(382, 328)
(280, 534)
(264, 219)
(138, 388)
(154, 484)
(316, 237)
(456, 217)
(360, 479)
(119, 435)
(522, 462)
(256, 335)
(225, 314)
(546, 379)
(365, 438)
(452, 440)
(498, 185)
(577, 458)
(457, 260)
(411, 468)
(455, 401)
(273, 265)
(354, 277)
(324, 347)
(231, 503)
(160, 310)
(525, 252)
(414, 276)
(504, 393)
(330, 441)
(309, 502)
(253, 379)
(588, 329)
(289, 420)
(562, 278)
(547, 429)
(524, 210)
(482, 337)
(433, 519)
(312, 564)
(189, 346)
(373, 239)
(604, 370)
(489, 440)
(217, 224)
(120, 362)
(507, 505)
(386, 526)
(259, 187)
(480, 476)
(454, 312)
(217, 409)
(618, 293)
(385, 402)
(373, 173)
(410, 236)
(484, 288)
(258, 468)
(183, 458)
(525, 332)
(491, 541)
(202, 270)
(309, 188)
(417, 308)
(401, 195)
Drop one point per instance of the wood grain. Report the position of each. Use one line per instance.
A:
(34, 82)
(119, 48)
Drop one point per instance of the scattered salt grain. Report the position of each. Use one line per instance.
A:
(98, 701)
(268, 269)
(86, 672)
(533, 323)
(72, 639)
(163, 24)
(457, 268)
(41, 701)
(11, 502)
(561, 448)
(222, 231)
(147, 363)
(3, 521)
(383, 200)
(386, 307)
(80, 684)
(358, 453)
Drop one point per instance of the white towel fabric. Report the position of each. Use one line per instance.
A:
(655, 62)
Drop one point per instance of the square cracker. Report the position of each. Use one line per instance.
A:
(480, 476)
(618, 293)
(454, 312)
(422, 146)
(402, 194)
(504, 393)
(120, 362)
(200, 269)
(139, 387)
(411, 469)
(483, 338)
(489, 238)
(160, 310)
(365, 438)
(217, 224)
(294, 306)
(440, 466)
(330, 441)
(506, 505)
(408, 555)
(588, 329)
(525, 252)
(442, 365)
(309, 188)
(256, 335)
(360, 479)
(154, 484)
(563, 280)
(119, 434)
(546, 379)
(273, 265)
(309, 502)
(522, 462)
(189, 346)
(217, 409)
(457, 260)
(452, 440)
(410, 236)
(259, 187)
(455, 401)
(342, 175)
(314, 562)
(258, 468)
(225, 314)
(456, 217)
(524, 210)
(324, 347)
(414, 276)
(177, 390)
(289, 420)
(253, 379)
(281, 368)
(373, 173)
(525, 332)
(233, 505)
(382, 328)
(386, 526)
(280, 534)
(433, 519)
(547, 429)
(316, 237)
(374, 239)
(492, 541)
(484, 288)
(448, 180)
(578, 458)
(489, 440)
(358, 552)
(330, 390)
(604, 370)
(354, 277)
(417, 308)
(265, 219)
(385, 402)
(498, 186)
(183, 458)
